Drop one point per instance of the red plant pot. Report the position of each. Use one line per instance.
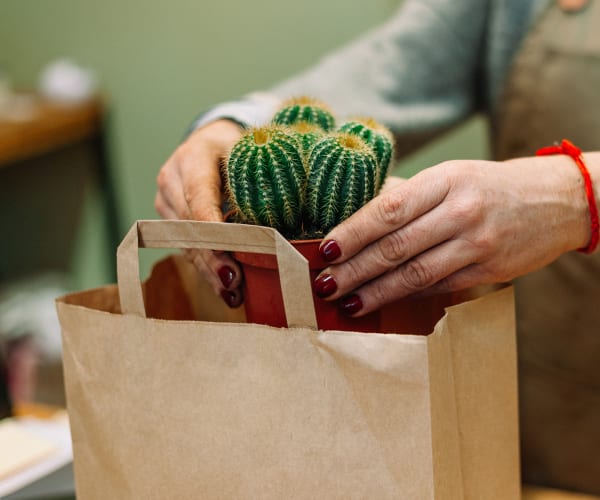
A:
(264, 303)
(417, 316)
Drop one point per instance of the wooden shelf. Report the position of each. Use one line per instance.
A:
(46, 127)
(32, 128)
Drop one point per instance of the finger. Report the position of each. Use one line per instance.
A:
(163, 208)
(221, 271)
(417, 274)
(392, 182)
(389, 252)
(470, 276)
(202, 186)
(387, 212)
(171, 189)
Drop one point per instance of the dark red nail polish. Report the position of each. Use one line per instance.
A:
(325, 285)
(229, 298)
(351, 304)
(330, 250)
(226, 275)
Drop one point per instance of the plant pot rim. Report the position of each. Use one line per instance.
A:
(308, 249)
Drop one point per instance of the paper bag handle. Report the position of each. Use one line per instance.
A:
(295, 282)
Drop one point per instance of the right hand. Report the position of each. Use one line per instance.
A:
(190, 187)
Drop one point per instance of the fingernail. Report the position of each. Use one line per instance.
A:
(228, 297)
(351, 304)
(325, 285)
(330, 250)
(226, 276)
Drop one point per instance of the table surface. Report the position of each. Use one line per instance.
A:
(32, 126)
(51, 425)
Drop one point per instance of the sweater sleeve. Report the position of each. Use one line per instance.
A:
(417, 73)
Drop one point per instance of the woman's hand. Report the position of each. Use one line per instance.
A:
(452, 226)
(190, 187)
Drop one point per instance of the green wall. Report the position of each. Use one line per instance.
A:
(160, 63)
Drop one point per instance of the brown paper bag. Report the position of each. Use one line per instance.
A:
(211, 408)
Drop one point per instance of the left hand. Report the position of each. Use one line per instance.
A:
(455, 225)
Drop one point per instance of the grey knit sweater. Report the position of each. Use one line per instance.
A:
(434, 63)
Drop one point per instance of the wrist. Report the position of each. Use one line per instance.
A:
(567, 148)
(592, 163)
(578, 220)
(555, 184)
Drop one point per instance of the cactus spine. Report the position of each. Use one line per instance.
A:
(378, 138)
(266, 178)
(305, 109)
(341, 179)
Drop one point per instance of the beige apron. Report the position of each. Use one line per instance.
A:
(553, 92)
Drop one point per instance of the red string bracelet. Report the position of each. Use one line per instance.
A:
(568, 148)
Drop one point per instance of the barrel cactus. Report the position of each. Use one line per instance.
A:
(266, 178)
(379, 138)
(341, 179)
(305, 109)
(302, 178)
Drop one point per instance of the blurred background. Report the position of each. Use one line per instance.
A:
(157, 65)
(94, 97)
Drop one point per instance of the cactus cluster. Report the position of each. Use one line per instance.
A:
(301, 175)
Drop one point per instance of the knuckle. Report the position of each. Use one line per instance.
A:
(189, 192)
(390, 208)
(192, 193)
(485, 242)
(380, 292)
(467, 207)
(393, 248)
(417, 276)
(351, 273)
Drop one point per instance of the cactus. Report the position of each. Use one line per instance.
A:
(266, 178)
(376, 136)
(341, 179)
(308, 135)
(298, 177)
(305, 109)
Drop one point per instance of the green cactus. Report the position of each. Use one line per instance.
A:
(341, 179)
(308, 135)
(266, 178)
(302, 179)
(379, 138)
(305, 109)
